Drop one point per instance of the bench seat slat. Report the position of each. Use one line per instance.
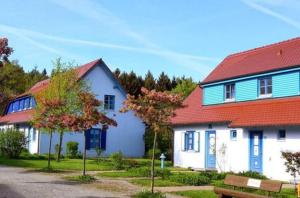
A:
(237, 194)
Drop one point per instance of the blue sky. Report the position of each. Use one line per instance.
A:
(179, 37)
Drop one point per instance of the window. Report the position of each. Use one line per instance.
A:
(27, 103)
(281, 135)
(109, 102)
(189, 140)
(233, 135)
(265, 86)
(21, 104)
(230, 92)
(16, 106)
(94, 138)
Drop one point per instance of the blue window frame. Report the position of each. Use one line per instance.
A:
(109, 102)
(189, 140)
(21, 104)
(265, 86)
(281, 134)
(233, 135)
(95, 138)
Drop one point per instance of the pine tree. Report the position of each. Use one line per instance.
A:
(149, 81)
(163, 83)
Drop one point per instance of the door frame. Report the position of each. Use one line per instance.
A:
(261, 145)
(206, 148)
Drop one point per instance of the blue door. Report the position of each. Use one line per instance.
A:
(210, 150)
(256, 151)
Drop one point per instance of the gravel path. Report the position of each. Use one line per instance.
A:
(21, 183)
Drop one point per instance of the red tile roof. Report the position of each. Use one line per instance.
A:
(272, 57)
(18, 117)
(268, 112)
(24, 116)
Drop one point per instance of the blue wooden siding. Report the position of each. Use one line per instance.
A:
(286, 84)
(246, 90)
(213, 95)
(283, 85)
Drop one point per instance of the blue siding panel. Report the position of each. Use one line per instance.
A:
(213, 95)
(286, 84)
(246, 90)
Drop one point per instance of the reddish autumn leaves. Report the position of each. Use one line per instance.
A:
(5, 51)
(154, 108)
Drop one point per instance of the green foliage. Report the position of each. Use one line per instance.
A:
(72, 149)
(163, 83)
(252, 174)
(197, 194)
(82, 178)
(190, 179)
(12, 142)
(99, 152)
(185, 87)
(157, 153)
(117, 160)
(158, 182)
(149, 194)
(213, 175)
(146, 172)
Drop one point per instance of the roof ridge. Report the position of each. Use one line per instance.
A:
(263, 47)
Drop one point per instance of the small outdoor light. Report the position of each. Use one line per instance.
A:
(162, 160)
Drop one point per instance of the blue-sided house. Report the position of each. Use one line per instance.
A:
(127, 138)
(243, 114)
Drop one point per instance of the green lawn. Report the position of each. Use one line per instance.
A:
(285, 193)
(158, 182)
(197, 194)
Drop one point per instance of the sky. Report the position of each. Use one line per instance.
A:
(179, 37)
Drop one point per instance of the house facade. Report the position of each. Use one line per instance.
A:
(126, 137)
(244, 113)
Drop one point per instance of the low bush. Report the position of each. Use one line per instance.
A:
(131, 164)
(194, 179)
(214, 175)
(157, 153)
(117, 160)
(252, 174)
(72, 149)
(82, 178)
(146, 172)
(12, 143)
(149, 194)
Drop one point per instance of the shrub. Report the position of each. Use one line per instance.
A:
(82, 178)
(131, 164)
(117, 160)
(157, 153)
(72, 149)
(252, 174)
(146, 172)
(149, 194)
(213, 175)
(190, 179)
(12, 142)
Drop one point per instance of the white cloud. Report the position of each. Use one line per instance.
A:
(269, 12)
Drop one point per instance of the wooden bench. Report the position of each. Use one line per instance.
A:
(245, 182)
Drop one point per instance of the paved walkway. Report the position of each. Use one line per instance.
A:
(21, 183)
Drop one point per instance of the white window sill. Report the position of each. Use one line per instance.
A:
(265, 96)
(281, 140)
(229, 100)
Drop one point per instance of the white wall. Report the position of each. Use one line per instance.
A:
(236, 158)
(126, 137)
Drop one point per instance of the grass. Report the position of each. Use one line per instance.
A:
(158, 182)
(285, 193)
(197, 194)
(81, 179)
(119, 174)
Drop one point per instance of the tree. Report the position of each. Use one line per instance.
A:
(149, 82)
(5, 51)
(185, 86)
(86, 116)
(292, 163)
(155, 109)
(163, 83)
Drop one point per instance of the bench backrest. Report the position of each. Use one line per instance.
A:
(246, 182)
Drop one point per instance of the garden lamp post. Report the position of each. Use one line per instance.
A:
(162, 160)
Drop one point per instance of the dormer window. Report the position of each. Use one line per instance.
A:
(21, 104)
(265, 87)
(230, 92)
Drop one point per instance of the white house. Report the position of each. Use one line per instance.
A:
(126, 137)
(243, 114)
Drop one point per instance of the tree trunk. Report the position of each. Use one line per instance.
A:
(49, 151)
(84, 153)
(61, 134)
(152, 162)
